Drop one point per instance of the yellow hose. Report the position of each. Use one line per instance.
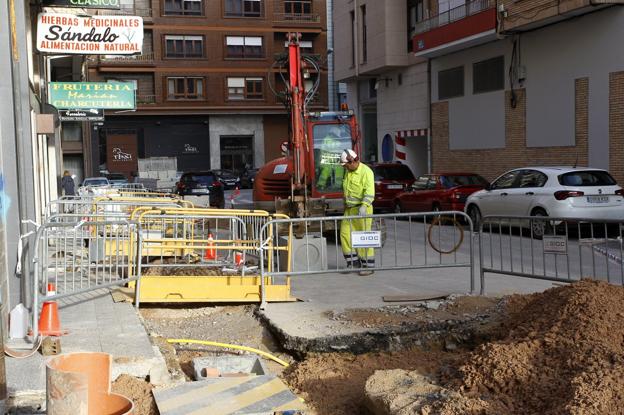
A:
(230, 346)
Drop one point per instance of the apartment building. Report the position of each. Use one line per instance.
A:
(524, 83)
(387, 85)
(204, 81)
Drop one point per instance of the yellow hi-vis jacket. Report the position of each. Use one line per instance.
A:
(359, 187)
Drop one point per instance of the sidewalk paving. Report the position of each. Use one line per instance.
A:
(95, 324)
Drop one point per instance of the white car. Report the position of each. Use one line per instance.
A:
(94, 186)
(561, 192)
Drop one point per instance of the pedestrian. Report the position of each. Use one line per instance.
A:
(67, 184)
(359, 193)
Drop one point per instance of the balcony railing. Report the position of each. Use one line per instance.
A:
(296, 18)
(147, 58)
(457, 13)
(146, 99)
(127, 12)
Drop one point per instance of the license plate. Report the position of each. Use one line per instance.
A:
(597, 199)
(395, 186)
(200, 191)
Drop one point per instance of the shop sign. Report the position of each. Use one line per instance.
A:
(190, 149)
(88, 95)
(94, 35)
(120, 155)
(86, 4)
(82, 115)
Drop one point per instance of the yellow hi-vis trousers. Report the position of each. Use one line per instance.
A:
(366, 256)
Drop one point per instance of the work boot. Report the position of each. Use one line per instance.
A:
(351, 268)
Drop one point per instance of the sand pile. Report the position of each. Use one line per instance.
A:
(562, 351)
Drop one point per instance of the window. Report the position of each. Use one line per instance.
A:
(306, 46)
(244, 88)
(353, 46)
(587, 178)
(451, 83)
(506, 181)
(184, 46)
(298, 7)
(185, 88)
(244, 47)
(488, 75)
(329, 141)
(415, 10)
(364, 40)
(532, 178)
(184, 8)
(243, 8)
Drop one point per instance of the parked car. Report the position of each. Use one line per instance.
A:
(247, 178)
(436, 192)
(228, 179)
(563, 192)
(202, 183)
(94, 186)
(117, 179)
(390, 180)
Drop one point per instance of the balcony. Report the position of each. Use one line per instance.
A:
(131, 11)
(470, 24)
(145, 100)
(295, 12)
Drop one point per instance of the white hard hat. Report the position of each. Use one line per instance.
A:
(347, 156)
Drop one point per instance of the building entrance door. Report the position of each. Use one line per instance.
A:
(236, 152)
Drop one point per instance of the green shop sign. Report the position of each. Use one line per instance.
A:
(88, 4)
(86, 95)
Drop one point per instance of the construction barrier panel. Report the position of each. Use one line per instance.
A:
(384, 242)
(551, 249)
(203, 255)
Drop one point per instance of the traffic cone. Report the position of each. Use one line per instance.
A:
(49, 323)
(210, 253)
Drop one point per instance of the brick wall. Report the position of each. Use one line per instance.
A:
(616, 125)
(491, 163)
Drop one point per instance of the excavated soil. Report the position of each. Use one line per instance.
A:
(557, 352)
(139, 391)
(560, 352)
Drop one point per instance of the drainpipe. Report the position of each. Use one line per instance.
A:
(331, 83)
(429, 156)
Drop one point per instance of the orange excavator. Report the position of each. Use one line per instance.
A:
(307, 180)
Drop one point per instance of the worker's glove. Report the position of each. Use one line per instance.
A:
(362, 210)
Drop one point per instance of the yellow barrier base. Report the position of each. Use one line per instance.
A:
(207, 289)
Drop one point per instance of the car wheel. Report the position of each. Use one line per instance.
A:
(539, 227)
(475, 216)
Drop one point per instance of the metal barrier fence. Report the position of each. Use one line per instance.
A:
(202, 255)
(82, 256)
(394, 242)
(551, 249)
(114, 205)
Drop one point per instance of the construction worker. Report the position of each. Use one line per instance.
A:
(359, 192)
(330, 157)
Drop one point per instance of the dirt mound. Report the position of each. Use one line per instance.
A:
(137, 390)
(560, 351)
(333, 384)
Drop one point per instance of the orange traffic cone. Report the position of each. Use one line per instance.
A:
(210, 253)
(49, 324)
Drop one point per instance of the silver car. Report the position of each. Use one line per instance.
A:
(562, 192)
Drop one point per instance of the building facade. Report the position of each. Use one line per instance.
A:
(524, 83)
(204, 81)
(387, 85)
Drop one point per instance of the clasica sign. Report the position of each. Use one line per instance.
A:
(89, 4)
(95, 35)
(87, 95)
